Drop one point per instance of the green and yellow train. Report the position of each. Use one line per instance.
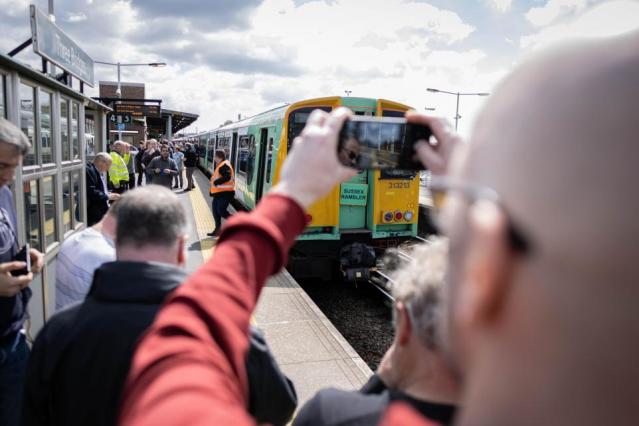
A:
(375, 209)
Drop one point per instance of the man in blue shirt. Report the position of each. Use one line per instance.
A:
(14, 290)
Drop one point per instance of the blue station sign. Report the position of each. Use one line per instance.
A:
(50, 42)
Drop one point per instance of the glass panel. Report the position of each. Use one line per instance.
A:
(66, 202)
(45, 127)
(269, 160)
(75, 113)
(32, 213)
(89, 135)
(3, 99)
(27, 122)
(297, 121)
(77, 198)
(48, 192)
(64, 130)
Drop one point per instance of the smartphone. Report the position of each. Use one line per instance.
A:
(22, 256)
(380, 143)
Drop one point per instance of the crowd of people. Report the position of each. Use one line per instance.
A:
(522, 313)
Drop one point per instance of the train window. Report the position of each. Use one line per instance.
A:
(50, 222)
(397, 174)
(64, 129)
(243, 156)
(27, 122)
(391, 113)
(3, 94)
(66, 202)
(32, 213)
(75, 136)
(297, 120)
(269, 160)
(46, 100)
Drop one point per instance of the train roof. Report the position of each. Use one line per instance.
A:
(246, 122)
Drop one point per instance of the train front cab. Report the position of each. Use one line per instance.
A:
(375, 209)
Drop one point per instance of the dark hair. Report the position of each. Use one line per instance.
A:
(149, 215)
(219, 153)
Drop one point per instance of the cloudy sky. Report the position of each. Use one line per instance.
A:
(231, 56)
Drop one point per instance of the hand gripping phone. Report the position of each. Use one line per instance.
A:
(22, 256)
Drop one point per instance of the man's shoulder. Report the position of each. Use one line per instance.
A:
(339, 407)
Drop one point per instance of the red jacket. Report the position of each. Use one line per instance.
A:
(190, 367)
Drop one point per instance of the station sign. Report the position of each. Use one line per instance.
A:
(353, 194)
(121, 118)
(138, 110)
(50, 42)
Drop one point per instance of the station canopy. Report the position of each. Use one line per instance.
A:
(179, 121)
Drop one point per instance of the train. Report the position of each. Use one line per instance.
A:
(349, 227)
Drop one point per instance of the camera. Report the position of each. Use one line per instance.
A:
(380, 143)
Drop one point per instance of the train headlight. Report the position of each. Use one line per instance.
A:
(398, 215)
(408, 216)
(388, 217)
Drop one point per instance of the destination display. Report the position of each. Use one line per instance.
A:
(138, 110)
(353, 194)
(54, 45)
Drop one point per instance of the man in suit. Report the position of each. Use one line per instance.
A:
(98, 196)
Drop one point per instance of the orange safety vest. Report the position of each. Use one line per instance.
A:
(226, 186)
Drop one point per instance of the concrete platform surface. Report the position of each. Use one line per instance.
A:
(309, 349)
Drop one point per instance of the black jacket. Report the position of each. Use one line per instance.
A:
(364, 407)
(190, 158)
(97, 199)
(81, 358)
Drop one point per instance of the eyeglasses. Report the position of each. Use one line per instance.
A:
(517, 238)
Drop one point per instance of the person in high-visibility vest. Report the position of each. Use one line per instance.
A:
(222, 190)
(119, 173)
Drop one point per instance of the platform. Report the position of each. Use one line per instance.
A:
(309, 349)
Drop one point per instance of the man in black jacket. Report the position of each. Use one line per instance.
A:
(81, 357)
(414, 370)
(98, 196)
(190, 161)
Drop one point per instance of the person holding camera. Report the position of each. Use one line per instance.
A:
(15, 278)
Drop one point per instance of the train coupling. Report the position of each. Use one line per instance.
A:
(356, 261)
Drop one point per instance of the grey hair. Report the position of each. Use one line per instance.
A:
(102, 156)
(420, 286)
(150, 215)
(11, 134)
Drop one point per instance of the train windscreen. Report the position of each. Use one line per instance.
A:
(297, 120)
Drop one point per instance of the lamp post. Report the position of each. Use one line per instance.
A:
(348, 92)
(118, 90)
(430, 108)
(458, 94)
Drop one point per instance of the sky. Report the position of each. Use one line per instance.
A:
(230, 57)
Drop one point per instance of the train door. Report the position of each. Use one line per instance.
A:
(353, 201)
(261, 163)
(233, 153)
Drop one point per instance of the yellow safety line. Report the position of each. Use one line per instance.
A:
(203, 222)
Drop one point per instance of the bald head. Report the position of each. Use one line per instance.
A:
(558, 142)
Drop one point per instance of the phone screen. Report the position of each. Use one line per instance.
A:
(380, 143)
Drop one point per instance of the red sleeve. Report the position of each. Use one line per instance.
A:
(189, 369)
(399, 414)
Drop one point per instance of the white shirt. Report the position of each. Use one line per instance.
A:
(80, 255)
(104, 182)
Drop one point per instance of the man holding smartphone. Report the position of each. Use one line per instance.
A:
(14, 290)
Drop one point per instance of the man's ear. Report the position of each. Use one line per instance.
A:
(403, 326)
(488, 266)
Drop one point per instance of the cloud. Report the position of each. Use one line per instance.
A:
(554, 9)
(213, 15)
(501, 6)
(603, 20)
